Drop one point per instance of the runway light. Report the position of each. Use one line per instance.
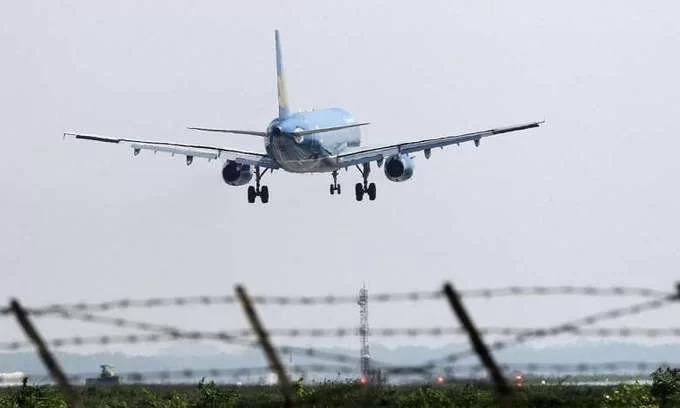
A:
(440, 380)
(363, 380)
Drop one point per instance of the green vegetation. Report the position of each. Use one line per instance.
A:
(666, 387)
(630, 396)
(664, 392)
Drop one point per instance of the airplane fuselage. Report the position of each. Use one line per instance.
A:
(311, 153)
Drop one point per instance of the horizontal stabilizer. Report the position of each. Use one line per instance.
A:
(328, 129)
(237, 132)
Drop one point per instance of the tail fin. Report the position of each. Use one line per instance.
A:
(281, 80)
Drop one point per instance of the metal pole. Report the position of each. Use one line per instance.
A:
(270, 353)
(46, 356)
(503, 390)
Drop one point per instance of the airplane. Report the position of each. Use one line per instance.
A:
(317, 141)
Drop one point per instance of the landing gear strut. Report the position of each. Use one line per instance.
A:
(365, 188)
(257, 191)
(335, 186)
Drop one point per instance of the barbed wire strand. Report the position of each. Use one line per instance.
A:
(207, 300)
(134, 338)
(168, 330)
(617, 291)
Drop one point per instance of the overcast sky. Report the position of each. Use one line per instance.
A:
(591, 198)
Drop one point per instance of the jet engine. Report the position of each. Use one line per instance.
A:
(236, 174)
(399, 167)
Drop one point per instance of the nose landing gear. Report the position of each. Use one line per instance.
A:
(365, 188)
(335, 187)
(257, 191)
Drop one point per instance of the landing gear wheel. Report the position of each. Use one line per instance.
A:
(335, 187)
(371, 191)
(257, 191)
(359, 190)
(365, 188)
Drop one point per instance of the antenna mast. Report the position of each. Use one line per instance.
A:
(363, 332)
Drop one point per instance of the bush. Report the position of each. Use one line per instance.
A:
(629, 396)
(666, 386)
(212, 396)
(7, 402)
(37, 397)
(471, 395)
(301, 392)
(425, 396)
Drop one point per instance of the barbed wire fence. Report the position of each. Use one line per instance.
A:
(258, 337)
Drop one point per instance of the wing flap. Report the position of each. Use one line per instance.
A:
(210, 155)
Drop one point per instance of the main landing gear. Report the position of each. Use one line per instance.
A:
(257, 191)
(335, 187)
(365, 188)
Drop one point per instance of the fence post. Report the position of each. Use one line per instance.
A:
(503, 390)
(45, 355)
(270, 353)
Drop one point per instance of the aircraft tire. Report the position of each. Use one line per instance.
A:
(359, 190)
(332, 190)
(251, 194)
(371, 191)
(338, 189)
(264, 194)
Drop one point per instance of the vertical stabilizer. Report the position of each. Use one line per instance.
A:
(284, 110)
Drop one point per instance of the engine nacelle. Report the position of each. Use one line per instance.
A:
(236, 174)
(399, 167)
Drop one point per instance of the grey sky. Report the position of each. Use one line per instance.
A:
(591, 198)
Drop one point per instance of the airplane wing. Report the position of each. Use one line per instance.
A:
(188, 150)
(426, 145)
